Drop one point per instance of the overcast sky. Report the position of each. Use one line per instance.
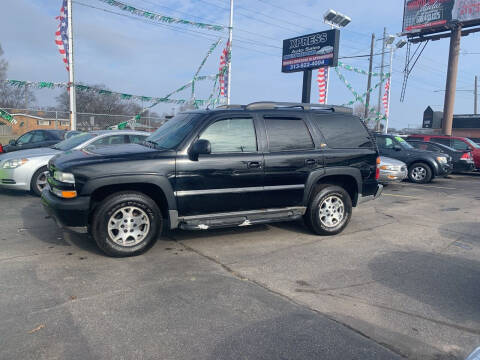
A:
(132, 56)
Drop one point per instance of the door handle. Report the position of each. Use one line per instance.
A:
(310, 162)
(253, 165)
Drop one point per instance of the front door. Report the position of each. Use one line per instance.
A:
(229, 179)
(290, 158)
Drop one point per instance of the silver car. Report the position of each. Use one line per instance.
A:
(27, 169)
(392, 170)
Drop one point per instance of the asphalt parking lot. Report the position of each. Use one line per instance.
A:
(401, 282)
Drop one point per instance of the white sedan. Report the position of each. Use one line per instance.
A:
(27, 169)
(392, 170)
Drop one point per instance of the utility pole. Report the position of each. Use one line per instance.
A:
(230, 38)
(369, 83)
(451, 84)
(380, 89)
(475, 92)
(71, 77)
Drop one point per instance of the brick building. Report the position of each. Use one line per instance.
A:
(33, 121)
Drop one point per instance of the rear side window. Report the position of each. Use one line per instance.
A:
(460, 145)
(444, 141)
(343, 132)
(288, 134)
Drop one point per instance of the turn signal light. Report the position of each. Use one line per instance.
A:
(66, 194)
(377, 172)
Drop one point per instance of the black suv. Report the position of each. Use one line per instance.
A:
(423, 165)
(232, 166)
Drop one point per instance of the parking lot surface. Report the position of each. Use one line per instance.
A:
(401, 282)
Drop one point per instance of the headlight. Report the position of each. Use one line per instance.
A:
(64, 177)
(442, 159)
(390, 167)
(13, 164)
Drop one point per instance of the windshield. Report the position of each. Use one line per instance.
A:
(172, 133)
(74, 141)
(403, 143)
(472, 143)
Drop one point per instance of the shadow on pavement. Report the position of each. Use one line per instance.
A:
(448, 284)
(465, 231)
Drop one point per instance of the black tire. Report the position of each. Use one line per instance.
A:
(312, 217)
(139, 204)
(39, 175)
(420, 173)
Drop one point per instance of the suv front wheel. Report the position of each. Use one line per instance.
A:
(126, 224)
(329, 211)
(420, 173)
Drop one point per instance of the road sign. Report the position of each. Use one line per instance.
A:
(311, 51)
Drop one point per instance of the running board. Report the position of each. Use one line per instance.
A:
(241, 218)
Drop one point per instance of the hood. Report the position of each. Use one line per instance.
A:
(389, 161)
(28, 153)
(102, 154)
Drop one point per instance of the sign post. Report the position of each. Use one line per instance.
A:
(308, 52)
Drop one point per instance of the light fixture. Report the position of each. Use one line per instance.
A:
(401, 43)
(389, 39)
(329, 15)
(336, 19)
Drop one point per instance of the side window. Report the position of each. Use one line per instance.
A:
(288, 134)
(137, 139)
(384, 142)
(38, 136)
(459, 145)
(231, 135)
(25, 138)
(343, 132)
(110, 140)
(443, 141)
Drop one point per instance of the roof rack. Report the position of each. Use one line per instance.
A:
(232, 106)
(268, 105)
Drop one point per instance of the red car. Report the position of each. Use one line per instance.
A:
(456, 142)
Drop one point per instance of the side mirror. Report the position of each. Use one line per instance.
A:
(12, 142)
(397, 148)
(200, 147)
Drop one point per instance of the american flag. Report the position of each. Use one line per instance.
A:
(386, 96)
(322, 78)
(223, 74)
(61, 35)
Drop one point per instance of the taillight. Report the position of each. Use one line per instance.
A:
(466, 156)
(377, 172)
(1, 148)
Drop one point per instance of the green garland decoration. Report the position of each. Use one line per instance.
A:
(361, 71)
(209, 52)
(161, 18)
(5, 115)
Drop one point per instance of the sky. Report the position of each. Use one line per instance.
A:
(151, 59)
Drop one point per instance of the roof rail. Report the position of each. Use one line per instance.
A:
(232, 106)
(268, 105)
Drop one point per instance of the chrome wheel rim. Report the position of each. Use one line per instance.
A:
(332, 211)
(41, 181)
(419, 173)
(128, 226)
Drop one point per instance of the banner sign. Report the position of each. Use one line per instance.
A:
(421, 15)
(311, 51)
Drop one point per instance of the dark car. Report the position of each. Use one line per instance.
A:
(462, 161)
(423, 166)
(35, 139)
(456, 142)
(232, 166)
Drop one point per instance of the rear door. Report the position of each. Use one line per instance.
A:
(290, 156)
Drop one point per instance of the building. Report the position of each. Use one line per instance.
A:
(467, 125)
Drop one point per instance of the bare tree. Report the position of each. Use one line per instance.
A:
(14, 97)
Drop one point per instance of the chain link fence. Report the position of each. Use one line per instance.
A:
(57, 119)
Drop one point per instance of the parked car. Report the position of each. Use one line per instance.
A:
(456, 142)
(232, 166)
(71, 133)
(35, 139)
(462, 161)
(27, 169)
(392, 170)
(423, 166)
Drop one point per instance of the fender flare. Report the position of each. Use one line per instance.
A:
(158, 180)
(315, 176)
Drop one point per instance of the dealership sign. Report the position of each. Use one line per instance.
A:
(311, 51)
(432, 14)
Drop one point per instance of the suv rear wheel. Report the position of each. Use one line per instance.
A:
(126, 224)
(420, 173)
(329, 211)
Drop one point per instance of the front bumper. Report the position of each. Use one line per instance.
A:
(444, 169)
(71, 213)
(17, 179)
(389, 176)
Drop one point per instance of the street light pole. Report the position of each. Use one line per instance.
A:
(230, 38)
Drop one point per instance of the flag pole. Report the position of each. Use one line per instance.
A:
(71, 78)
(230, 37)
(389, 89)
